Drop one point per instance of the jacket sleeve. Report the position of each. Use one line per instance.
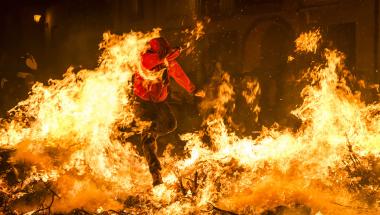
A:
(173, 55)
(180, 76)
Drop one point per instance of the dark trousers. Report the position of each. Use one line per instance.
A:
(163, 123)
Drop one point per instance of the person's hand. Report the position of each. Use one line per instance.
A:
(200, 93)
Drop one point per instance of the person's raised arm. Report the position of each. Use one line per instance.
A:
(180, 77)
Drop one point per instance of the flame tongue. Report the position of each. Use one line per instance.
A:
(67, 127)
(68, 132)
(282, 167)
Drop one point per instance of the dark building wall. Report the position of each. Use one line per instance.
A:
(73, 28)
(349, 24)
(264, 32)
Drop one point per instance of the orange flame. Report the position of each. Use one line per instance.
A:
(308, 42)
(66, 131)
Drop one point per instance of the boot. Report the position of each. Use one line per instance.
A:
(150, 153)
(157, 179)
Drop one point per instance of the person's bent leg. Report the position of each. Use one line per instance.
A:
(149, 145)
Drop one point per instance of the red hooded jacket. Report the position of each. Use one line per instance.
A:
(157, 90)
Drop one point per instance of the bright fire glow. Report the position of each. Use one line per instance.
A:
(67, 132)
(308, 42)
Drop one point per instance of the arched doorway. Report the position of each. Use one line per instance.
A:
(266, 49)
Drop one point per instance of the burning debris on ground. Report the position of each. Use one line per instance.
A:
(77, 144)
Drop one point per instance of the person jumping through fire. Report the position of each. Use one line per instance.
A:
(158, 61)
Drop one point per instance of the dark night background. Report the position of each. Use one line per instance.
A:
(247, 37)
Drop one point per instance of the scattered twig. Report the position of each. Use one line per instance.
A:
(182, 188)
(80, 211)
(195, 184)
(114, 212)
(53, 195)
(51, 190)
(347, 206)
(214, 208)
(47, 208)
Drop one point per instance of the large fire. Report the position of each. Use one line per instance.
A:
(66, 138)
